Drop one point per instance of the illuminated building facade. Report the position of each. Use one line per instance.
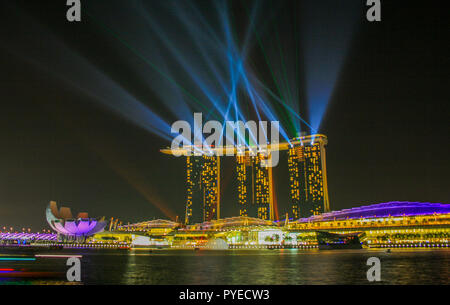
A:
(71, 228)
(203, 188)
(307, 176)
(307, 170)
(254, 187)
(388, 225)
(391, 224)
(157, 226)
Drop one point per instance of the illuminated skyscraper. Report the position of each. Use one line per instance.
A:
(254, 187)
(243, 165)
(307, 173)
(308, 180)
(203, 188)
(296, 159)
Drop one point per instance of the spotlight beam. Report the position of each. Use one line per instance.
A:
(148, 62)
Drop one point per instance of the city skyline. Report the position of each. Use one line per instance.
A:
(224, 151)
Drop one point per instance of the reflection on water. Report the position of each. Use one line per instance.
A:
(255, 267)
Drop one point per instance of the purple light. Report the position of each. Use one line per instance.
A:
(66, 225)
(394, 209)
(80, 227)
(28, 236)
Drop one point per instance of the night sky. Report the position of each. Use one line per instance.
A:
(387, 113)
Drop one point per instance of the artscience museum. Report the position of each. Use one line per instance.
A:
(71, 228)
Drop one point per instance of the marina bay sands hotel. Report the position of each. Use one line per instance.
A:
(307, 179)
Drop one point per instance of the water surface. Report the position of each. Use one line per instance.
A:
(256, 267)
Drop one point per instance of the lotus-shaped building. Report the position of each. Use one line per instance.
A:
(70, 228)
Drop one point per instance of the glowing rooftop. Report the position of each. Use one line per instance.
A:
(235, 149)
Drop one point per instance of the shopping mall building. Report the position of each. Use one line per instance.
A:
(392, 224)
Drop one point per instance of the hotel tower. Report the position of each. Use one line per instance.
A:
(203, 188)
(308, 176)
(255, 196)
(307, 179)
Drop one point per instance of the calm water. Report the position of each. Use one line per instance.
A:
(238, 267)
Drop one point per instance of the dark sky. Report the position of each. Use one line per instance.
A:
(387, 119)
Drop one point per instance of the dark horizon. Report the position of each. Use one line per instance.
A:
(386, 118)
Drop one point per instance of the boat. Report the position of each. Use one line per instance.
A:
(333, 241)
